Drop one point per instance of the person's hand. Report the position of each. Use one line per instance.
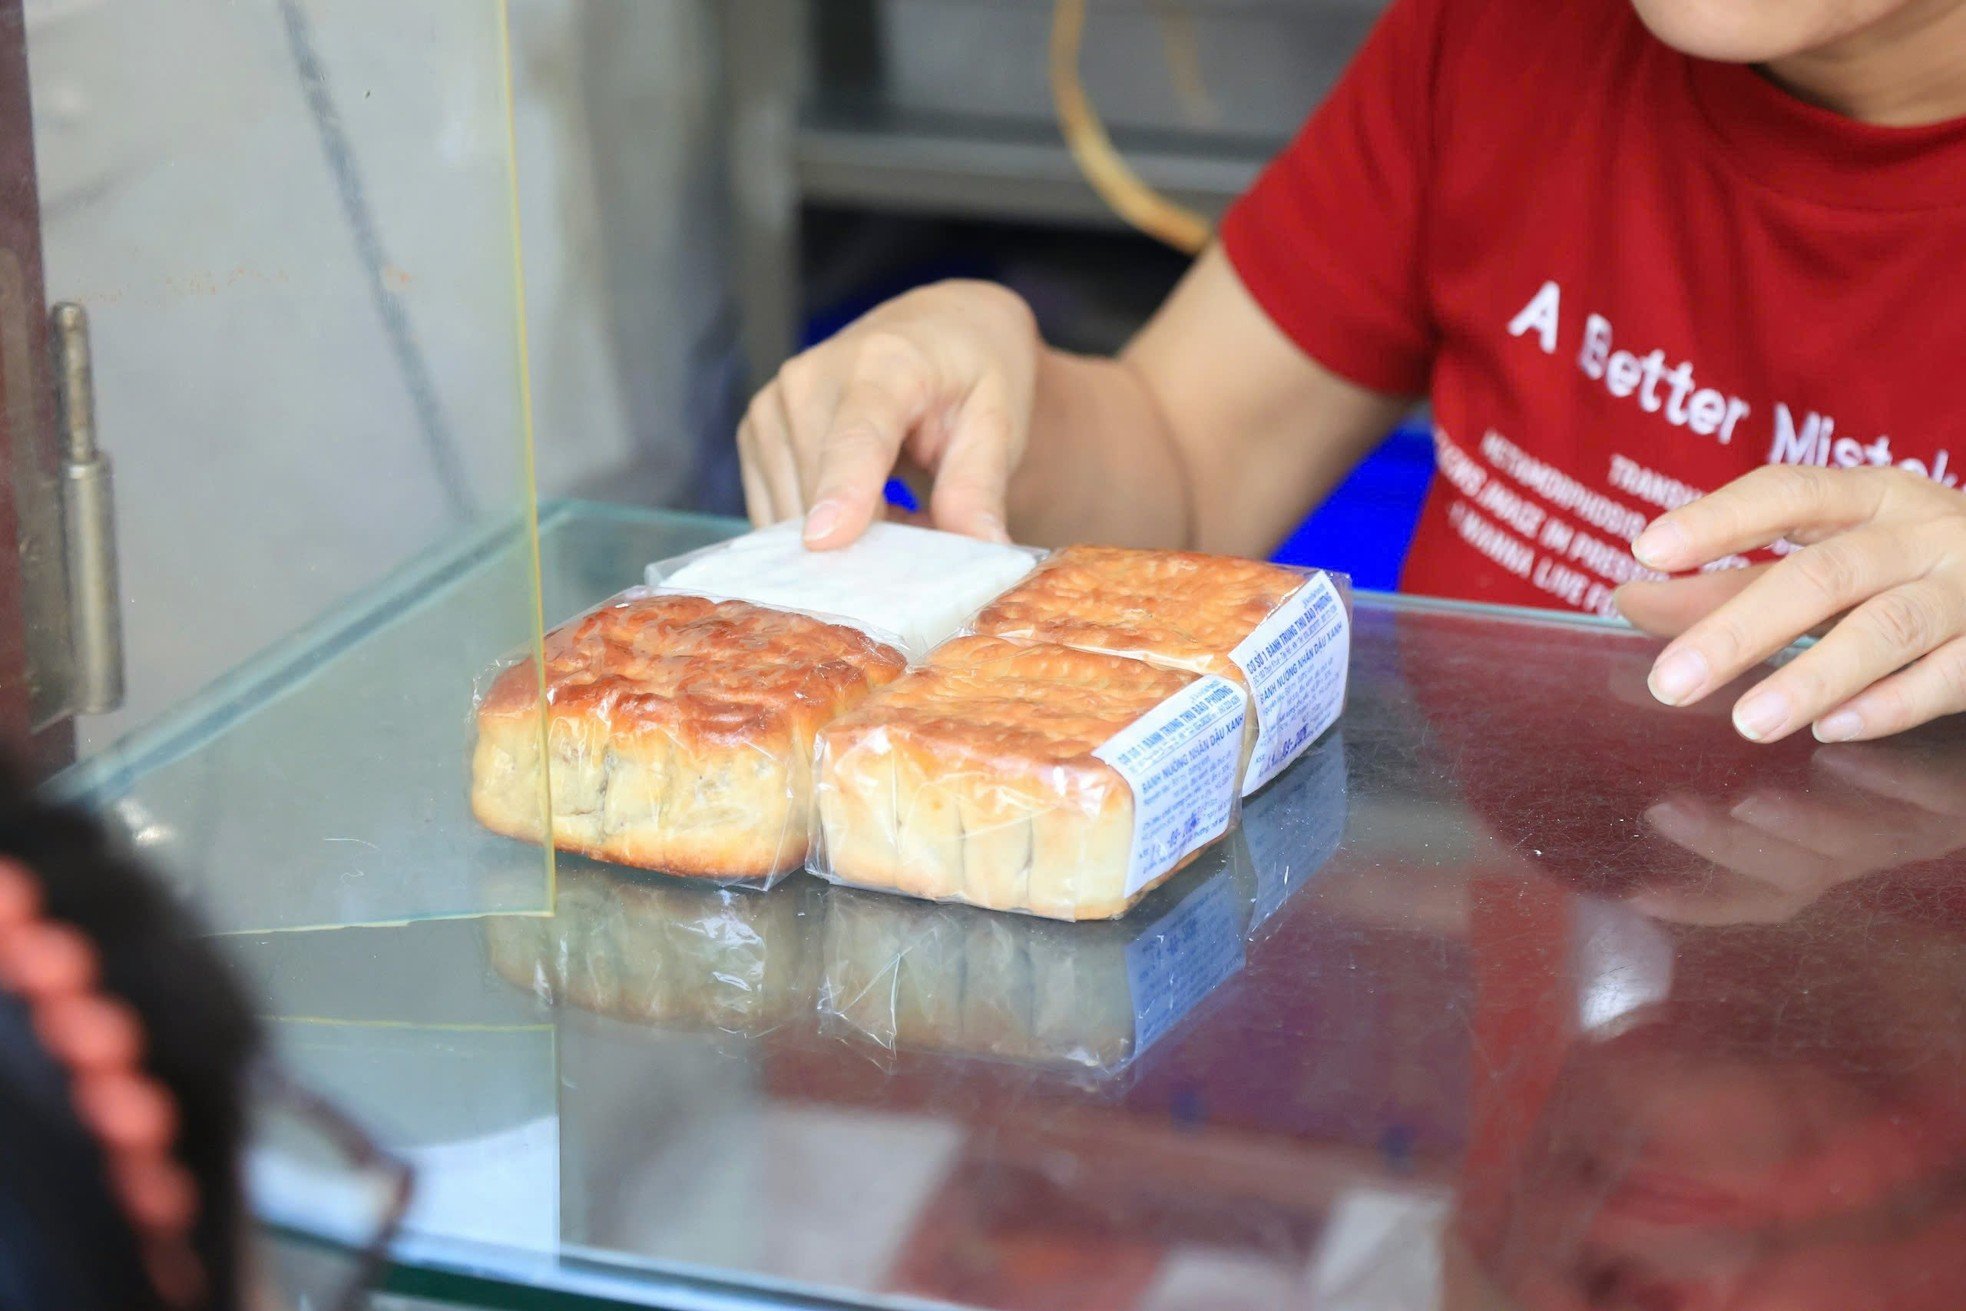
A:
(1884, 548)
(941, 379)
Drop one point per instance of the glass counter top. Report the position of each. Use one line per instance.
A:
(1519, 991)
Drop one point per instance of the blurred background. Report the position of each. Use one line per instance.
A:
(289, 221)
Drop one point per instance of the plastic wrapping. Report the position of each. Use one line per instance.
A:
(910, 975)
(910, 587)
(666, 953)
(1294, 827)
(1282, 634)
(679, 735)
(1092, 998)
(1031, 778)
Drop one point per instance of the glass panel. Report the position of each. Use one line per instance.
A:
(459, 1081)
(1522, 982)
(291, 223)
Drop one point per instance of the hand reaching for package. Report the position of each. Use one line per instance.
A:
(939, 381)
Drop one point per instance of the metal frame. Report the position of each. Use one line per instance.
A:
(35, 657)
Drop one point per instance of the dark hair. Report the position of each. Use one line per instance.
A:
(63, 1240)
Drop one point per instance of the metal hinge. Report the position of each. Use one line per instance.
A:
(95, 622)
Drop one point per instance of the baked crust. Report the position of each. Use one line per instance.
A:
(679, 733)
(972, 779)
(1178, 609)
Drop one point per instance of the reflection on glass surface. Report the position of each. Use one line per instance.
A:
(1728, 1009)
(1784, 1130)
(912, 975)
(906, 974)
(665, 952)
(1592, 1006)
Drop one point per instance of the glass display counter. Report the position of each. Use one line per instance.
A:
(1518, 991)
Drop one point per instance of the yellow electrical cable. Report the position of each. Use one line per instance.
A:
(1092, 148)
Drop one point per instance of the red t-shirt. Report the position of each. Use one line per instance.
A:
(1624, 275)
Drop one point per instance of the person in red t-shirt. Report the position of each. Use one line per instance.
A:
(1695, 262)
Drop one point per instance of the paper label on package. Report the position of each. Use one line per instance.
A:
(1182, 957)
(1296, 662)
(1180, 759)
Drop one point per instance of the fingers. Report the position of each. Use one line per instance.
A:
(876, 413)
(1883, 544)
(943, 374)
(1625, 681)
(769, 464)
(936, 373)
(757, 497)
(1932, 686)
(1881, 636)
(1781, 605)
(1760, 508)
(1669, 608)
(970, 483)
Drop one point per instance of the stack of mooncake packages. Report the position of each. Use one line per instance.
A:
(919, 713)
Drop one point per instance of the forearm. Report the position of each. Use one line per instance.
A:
(1249, 495)
(1102, 463)
(1212, 431)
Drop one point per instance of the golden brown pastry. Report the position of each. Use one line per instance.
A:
(679, 733)
(1185, 610)
(974, 779)
(1179, 609)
